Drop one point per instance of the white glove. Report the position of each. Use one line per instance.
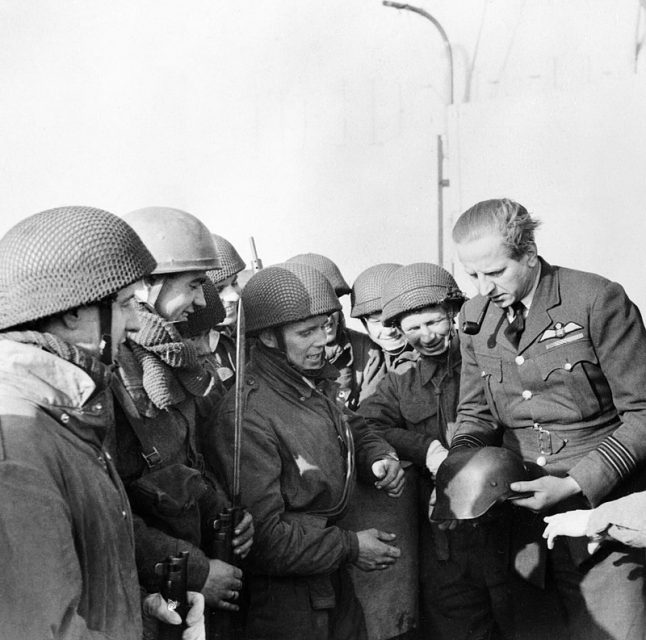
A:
(435, 456)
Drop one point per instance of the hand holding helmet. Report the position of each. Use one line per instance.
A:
(472, 480)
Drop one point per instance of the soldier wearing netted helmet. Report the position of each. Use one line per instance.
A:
(414, 410)
(348, 350)
(161, 381)
(389, 350)
(222, 337)
(67, 280)
(299, 455)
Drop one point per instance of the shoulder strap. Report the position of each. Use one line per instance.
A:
(148, 450)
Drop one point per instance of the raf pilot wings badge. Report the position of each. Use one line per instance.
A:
(560, 330)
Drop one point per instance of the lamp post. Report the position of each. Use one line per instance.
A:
(442, 182)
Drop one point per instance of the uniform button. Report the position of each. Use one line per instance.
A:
(519, 360)
(108, 456)
(567, 366)
(98, 406)
(65, 418)
(483, 374)
(541, 461)
(124, 513)
(302, 398)
(527, 394)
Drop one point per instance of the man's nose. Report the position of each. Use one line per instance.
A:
(320, 338)
(485, 285)
(389, 332)
(426, 334)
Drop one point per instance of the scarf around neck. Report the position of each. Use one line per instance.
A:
(166, 365)
(99, 372)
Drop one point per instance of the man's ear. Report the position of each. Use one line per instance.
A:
(532, 254)
(268, 338)
(70, 319)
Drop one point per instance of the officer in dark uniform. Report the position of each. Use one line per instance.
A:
(556, 371)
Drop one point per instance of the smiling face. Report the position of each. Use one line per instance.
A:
(305, 343)
(502, 279)
(229, 292)
(428, 330)
(180, 295)
(332, 327)
(388, 338)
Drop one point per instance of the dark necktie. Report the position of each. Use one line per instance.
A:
(517, 326)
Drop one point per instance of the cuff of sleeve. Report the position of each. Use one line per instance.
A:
(353, 544)
(595, 478)
(467, 440)
(198, 570)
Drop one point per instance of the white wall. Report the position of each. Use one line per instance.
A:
(577, 164)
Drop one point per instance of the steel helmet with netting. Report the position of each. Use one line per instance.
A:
(326, 267)
(365, 296)
(230, 260)
(418, 285)
(472, 480)
(177, 239)
(284, 293)
(65, 258)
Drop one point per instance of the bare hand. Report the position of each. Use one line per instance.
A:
(391, 476)
(374, 553)
(571, 523)
(547, 491)
(223, 584)
(156, 607)
(243, 536)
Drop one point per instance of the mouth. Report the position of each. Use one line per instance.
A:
(314, 358)
(433, 347)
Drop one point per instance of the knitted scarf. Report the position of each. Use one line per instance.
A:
(158, 358)
(64, 350)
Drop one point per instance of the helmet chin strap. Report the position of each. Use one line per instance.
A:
(105, 328)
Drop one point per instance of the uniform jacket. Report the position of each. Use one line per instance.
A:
(572, 397)
(66, 541)
(297, 467)
(412, 406)
(173, 433)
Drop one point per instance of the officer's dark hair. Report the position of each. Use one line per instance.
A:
(503, 216)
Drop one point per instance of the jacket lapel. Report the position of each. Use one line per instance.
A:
(546, 297)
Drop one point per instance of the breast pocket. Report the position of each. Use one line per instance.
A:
(491, 375)
(572, 376)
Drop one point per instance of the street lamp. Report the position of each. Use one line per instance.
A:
(442, 182)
